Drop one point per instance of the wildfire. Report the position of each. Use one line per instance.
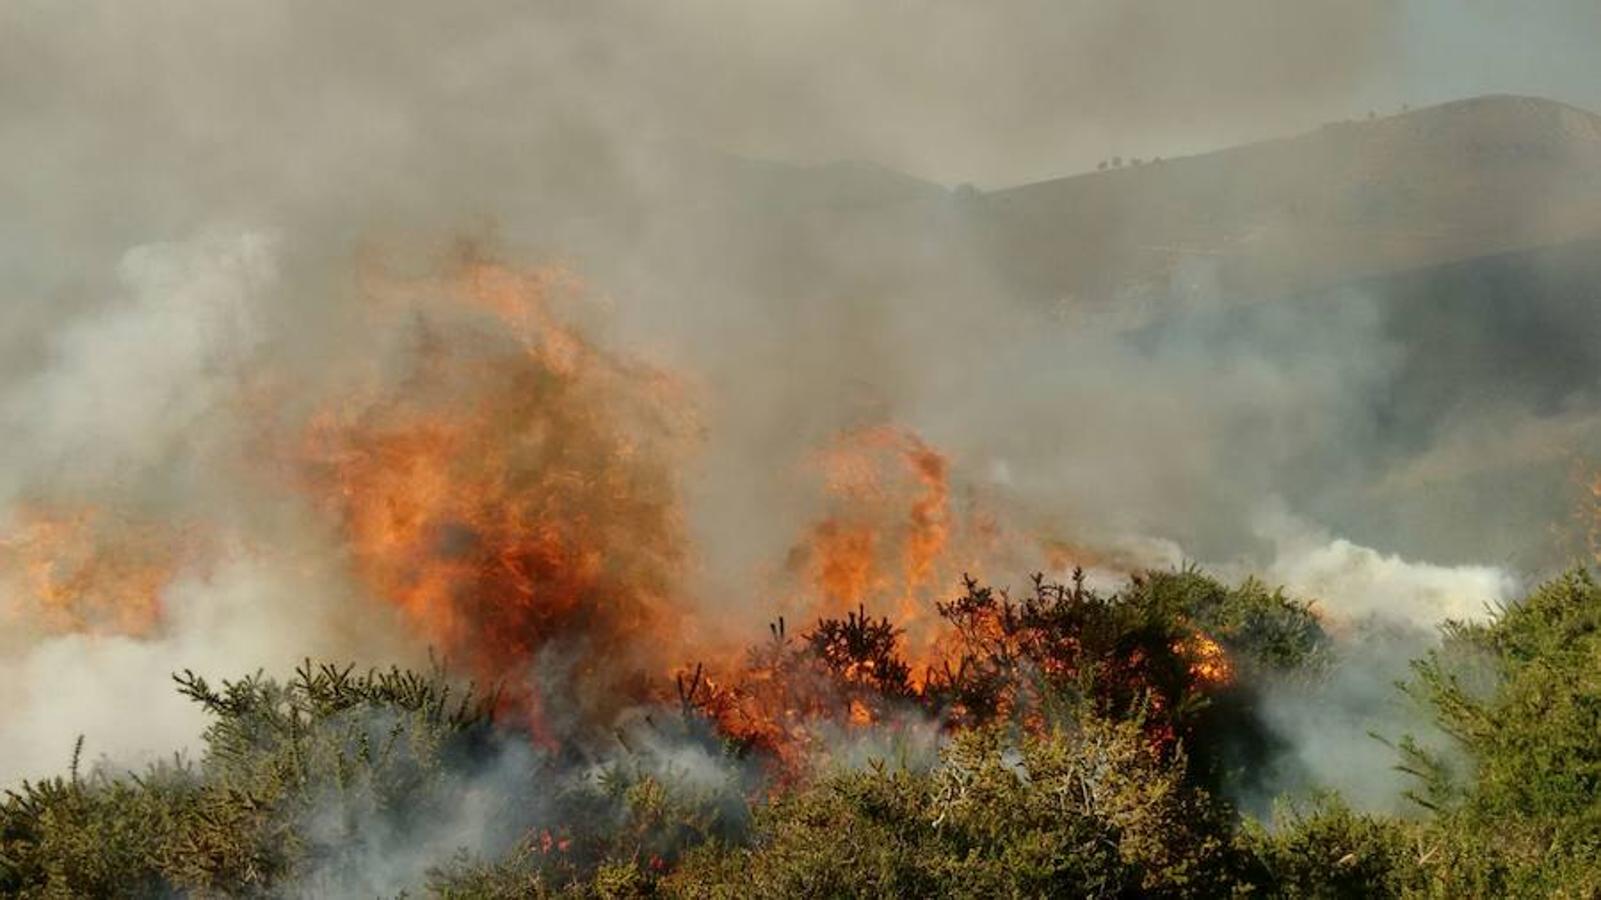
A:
(510, 487)
(846, 564)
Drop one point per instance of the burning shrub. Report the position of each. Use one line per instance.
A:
(791, 696)
(859, 651)
(1166, 647)
(1112, 654)
(1058, 652)
(1261, 628)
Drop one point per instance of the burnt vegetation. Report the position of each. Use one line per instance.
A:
(1085, 743)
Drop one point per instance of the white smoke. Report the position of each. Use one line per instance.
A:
(128, 412)
(1338, 729)
(1350, 582)
(125, 385)
(245, 614)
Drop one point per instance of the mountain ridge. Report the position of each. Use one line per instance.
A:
(1347, 200)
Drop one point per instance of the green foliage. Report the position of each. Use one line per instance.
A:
(1518, 797)
(1091, 810)
(624, 830)
(95, 835)
(303, 774)
(1262, 628)
(1082, 760)
(294, 777)
(1332, 851)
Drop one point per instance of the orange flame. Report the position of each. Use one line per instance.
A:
(83, 570)
(887, 540)
(500, 492)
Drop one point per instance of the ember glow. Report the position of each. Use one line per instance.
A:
(1209, 662)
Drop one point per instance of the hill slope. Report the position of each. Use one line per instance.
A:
(1352, 199)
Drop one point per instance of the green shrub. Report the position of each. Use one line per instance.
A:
(292, 779)
(95, 835)
(1518, 797)
(1083, 762)
(1087, 810)
(1331, 851)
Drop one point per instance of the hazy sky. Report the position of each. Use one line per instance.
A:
(1459, 48)
(950, 89)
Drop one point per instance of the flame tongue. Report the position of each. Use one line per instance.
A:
(1209, 663)
(888, 539)
(499, 495)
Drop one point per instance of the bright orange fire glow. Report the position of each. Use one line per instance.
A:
(502, 493)
(887, 540)
(1209, 662)
(846, 565)
(84, 571)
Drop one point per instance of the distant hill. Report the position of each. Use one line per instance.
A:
(1491, 401)
(1469, 232)
(1349, 200)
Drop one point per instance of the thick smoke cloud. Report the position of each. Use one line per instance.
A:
(128, 387)
(135, 424)
(1354, 582)
(298, 92)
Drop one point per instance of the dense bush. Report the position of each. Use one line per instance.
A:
(1086, 752)
(297, 780)
(1518, 794)
(1330, 850)
(97, 836)
(1091, 810)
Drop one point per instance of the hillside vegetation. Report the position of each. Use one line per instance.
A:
(1084, 754)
